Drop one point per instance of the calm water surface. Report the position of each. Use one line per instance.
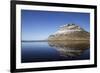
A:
(54, 51)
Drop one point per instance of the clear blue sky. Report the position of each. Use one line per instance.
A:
(38, 25)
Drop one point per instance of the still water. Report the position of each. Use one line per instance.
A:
(54, 51)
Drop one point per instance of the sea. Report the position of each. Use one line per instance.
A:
(46, 51)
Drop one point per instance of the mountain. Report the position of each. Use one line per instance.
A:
(70, 32)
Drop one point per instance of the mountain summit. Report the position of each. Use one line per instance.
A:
(70, 32)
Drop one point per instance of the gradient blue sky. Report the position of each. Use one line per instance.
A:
(38, 25)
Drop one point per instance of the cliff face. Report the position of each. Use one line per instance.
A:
(70, 32)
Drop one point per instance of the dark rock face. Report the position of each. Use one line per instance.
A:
(70, 32)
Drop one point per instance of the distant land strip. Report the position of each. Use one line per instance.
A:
(34, 40)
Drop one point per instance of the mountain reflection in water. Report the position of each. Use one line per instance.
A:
(54, 51)
(70, 48)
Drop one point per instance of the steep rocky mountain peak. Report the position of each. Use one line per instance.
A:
(70, 32)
